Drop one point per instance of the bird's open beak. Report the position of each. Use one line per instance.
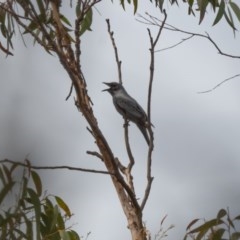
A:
(107, 89)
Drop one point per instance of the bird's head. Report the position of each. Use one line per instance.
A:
(114, 87)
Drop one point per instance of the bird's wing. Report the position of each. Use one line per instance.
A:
(130, 108)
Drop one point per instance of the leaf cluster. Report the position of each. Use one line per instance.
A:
(32, 215)
(37, 19)
(222, 227)
(221, 8)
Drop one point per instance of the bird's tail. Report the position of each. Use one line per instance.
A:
(144, 132)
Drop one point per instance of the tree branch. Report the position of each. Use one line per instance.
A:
(56, 167)
(156, 22)
(96, 154)
(219, 84)
(175, 45)
(127, 170)
(119, 63)
(153, 44)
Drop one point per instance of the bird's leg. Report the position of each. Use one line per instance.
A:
(126, 122)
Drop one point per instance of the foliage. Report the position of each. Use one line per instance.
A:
(38, 19)
(32, 215)
(222, 8)
(44, 20)
(223, 227)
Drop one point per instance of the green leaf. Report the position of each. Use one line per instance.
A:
(65, 20)
(4, 31)
(237, 218)
(221, 213)
(13, 167)
(60, 222)
(78, 9)
(3, 228)
(31, 27)
(230, 222)
(24, 187)
(135, 4)
(54, 218)
(37, 208)
(5, 190)
(29, 227)
(229, 21)
(190, 4)
(87, 22)
(73, 235)
(2, 177)
(217, 235)
(207, 225)
(235, 9)
(160, 3)
(201, 234)
(2, 15)
(7, 173)
(122, 3)
(20, 234)
(64, 235)
(202, 4)
(37, 182)
(235, 236)
(41, 6)
(63, 206)
(192, 223)
(220, 12)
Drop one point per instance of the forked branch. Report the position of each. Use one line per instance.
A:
(153, 21)
(127, 170)
(153, 43)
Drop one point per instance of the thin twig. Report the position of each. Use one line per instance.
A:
(156, 22)
(70, 92)
(127, 170)
(219, 84)
(56, 167)
(153, 44)
(175, 45)
(96, 154)
(130, 155)
(120, 166)
(131, 158)
(119, 63)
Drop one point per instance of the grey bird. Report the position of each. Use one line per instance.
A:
(128, 107)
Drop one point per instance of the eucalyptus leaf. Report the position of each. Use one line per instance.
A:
(220, 13)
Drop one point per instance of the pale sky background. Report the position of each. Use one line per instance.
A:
(196, 160)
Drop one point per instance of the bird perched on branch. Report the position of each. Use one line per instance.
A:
(128, 107)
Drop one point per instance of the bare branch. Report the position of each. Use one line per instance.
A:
(153, 44)
(119, 63)
(219, 84)
(130, 155)
(96, 154)
(156, 22)
(175, 45)
(127, 170)
(120, 166)
(56, 167)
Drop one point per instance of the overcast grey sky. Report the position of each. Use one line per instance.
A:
(196, 160)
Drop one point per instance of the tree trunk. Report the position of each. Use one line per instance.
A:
(127, 198)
